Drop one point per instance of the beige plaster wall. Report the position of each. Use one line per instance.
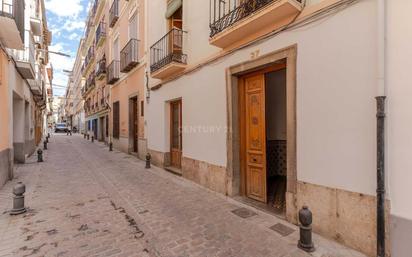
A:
(399, 111)
(5, 105)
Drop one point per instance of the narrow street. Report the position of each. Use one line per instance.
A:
(86, 201)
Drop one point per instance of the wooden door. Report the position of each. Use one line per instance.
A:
(135, 124)
(254, 136)
(176, 134)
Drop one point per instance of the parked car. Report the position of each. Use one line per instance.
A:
(60, 127)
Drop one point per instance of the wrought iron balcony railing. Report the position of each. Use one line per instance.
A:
(113, 72)
(114, 13)
(100, 33)
(129, 56)
(90, 83)
(225, 13)
(167, 50)
(101, 68)
(88, 59)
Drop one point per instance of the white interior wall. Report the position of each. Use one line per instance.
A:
(335, 100)
(276, 105)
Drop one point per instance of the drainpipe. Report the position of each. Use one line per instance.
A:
(380, 121)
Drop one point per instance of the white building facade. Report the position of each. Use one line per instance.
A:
(273, 103)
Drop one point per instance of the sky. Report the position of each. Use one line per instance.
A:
(65, 18)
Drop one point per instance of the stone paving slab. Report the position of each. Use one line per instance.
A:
(87, 201)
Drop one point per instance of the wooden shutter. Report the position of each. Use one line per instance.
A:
(116, 120)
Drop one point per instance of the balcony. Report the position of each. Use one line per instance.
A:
(129, 56)
(101, 68)
(98, 9)
(36, 83)
(233, 21)
(12, 24)
(90, 83)
(88, 60)
(25, 62)
(40, 98)
(113, 72)
(89, 37)
(35, 22)
(166, 55)
(114, 13)
(100, 34)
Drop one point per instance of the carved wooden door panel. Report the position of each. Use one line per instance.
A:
(255, 158)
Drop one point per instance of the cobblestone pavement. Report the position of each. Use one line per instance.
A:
(87, 201)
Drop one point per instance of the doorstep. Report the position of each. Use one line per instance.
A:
(174, 170)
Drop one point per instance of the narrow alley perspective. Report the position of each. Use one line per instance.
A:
(84, 200)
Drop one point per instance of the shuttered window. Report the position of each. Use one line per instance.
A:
(116, 120)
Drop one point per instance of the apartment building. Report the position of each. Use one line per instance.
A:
(24, 41)
(273, 103)
(74, 102)
(48, 113)
(114, 69)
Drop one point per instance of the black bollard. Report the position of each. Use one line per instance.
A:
(18, 199)
(39, 155)
(92, 139)
(88, 137)
(45, 145)
(148, 158)
(110, 147)
(47, 140)
(48, 135)
(305, 241)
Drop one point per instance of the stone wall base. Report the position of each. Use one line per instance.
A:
(142, 145)
(347, 217)
(6, 166)
(159, 159)
(19, 153)
(205, 174)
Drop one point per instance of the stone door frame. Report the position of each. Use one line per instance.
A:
(233, 73)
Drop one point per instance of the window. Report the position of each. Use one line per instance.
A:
(142, 108)
(134, 26)
(116, 119)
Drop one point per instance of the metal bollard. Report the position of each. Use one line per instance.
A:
(305, 241)
(39, 155)
(111, 147)
(18, 199)
(88, 137)
(48, 135)
(47, 140)
(45, 145)
(84, 135)
(148, 158)
(92, 139)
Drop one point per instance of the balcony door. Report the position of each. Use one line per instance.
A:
(176, 134)
(134, 26)
(175, 36)
(116, 51)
